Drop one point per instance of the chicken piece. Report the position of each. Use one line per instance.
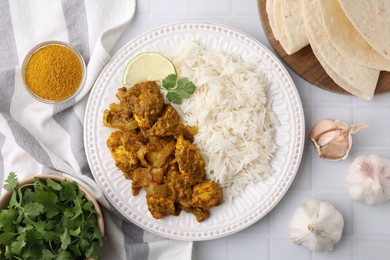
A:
(160, 207)
(169, 124)
(180, 190)
(128, 97)
(199, 213)
(190, 162)
(143, 177)
(156, 143)
(123, 146)
(119, 117)
(159, 200)
(206, 195)
(139, 106)
(149, 104)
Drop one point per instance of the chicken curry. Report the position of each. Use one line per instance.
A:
(155, 150)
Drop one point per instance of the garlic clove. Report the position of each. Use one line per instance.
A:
(332, 138)
(368, 179)
(322, 127)
(338, 148)
(327, 137)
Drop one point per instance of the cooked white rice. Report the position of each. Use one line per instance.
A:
(230, 106)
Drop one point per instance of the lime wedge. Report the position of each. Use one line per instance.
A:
(147, 66)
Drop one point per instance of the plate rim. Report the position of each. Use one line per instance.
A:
(299, 123)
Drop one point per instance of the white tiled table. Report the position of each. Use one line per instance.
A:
(366, 234)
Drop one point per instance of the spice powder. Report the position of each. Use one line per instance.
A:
(54, 72)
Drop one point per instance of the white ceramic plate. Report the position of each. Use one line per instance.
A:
(257, 199)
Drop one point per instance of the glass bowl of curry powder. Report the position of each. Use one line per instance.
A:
(53, 72)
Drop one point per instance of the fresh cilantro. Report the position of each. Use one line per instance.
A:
(54, 185)
(177, 89)
(174, 97)
(47, 254)
(48, 220)
(170, 81)
(11, 182)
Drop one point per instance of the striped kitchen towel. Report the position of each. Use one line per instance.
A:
(42, 138)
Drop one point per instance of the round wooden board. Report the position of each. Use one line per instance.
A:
(306, 65)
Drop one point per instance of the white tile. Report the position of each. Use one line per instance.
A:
(329, 175)
(371, 220)
(285, 249)
(283, 212)
(250, 26)
(373, 249)
(137, 26)
(303, 178)
(143, 7)
(172, 7)
(305, 89)
(259, 229)
(244, 7)
(160, 21)
(378, 132)
(384, 151)
(207, 7)
(309, 122)
(341, 112)
(325, 96)
(248, 249)
(216, 249)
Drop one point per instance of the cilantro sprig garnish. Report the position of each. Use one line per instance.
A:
(48, 220)
(177, 89)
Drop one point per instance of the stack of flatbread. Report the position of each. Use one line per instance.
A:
(350, 38)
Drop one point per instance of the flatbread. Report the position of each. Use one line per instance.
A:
(269, 5)
(278, 22)
(354, 78)
(287, 24)
(347, 40)
(339, 80)
(371, 18)
(293, 25)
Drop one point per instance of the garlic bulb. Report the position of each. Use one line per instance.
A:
(368, 179)
(316, 225)
(332, 138)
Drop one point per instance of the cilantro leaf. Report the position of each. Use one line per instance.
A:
(64, 255)
(47, 254)
(65, 239)
(69, 190)
(94, 251)
(54, 185)
(174, 97)
(169, 82)
(16, 246)
(33, 210)
(11, 182)
(7, 217)
(177, 89)
(185, 85)
(7, 237)
(27, 196)
(183, 94)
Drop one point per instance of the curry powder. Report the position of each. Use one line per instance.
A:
(54, 72)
